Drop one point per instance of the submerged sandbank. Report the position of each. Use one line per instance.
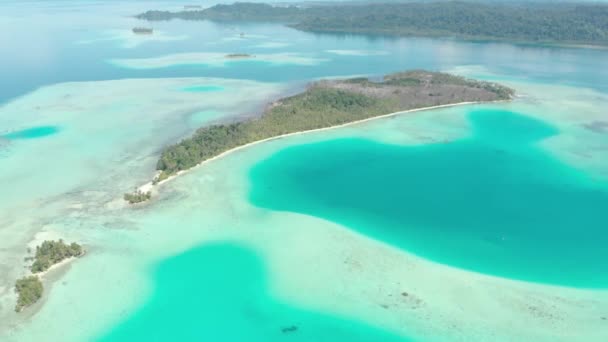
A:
(128, 40)
(214, 59)
(96, 153)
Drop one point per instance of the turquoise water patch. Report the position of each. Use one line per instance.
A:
(31, 133)
(203, 88)
(219, 293)
(199, 118)
(494, 202)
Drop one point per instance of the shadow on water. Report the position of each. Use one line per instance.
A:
(493, 202)
(218, 292)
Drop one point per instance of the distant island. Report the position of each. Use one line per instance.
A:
(539, 22)
(238, 55)
(326, 104)
(142, 30)
(29, 288)
(137, 196)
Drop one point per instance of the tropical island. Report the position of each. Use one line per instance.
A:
(137, 196)
(538, 22)
(50, 253)
(238, 55)
(29, 288)
(326, 104)
(142, 30)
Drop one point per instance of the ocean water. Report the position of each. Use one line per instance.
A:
(314, 244)
(494, 202)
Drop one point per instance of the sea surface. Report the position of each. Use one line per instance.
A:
(506, 201)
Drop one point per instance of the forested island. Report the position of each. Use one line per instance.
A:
(543, 22)
(50, 253)
(29, 288)
(137, 196)
(326, 104)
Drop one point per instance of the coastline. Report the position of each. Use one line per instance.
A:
(150, 186)
(58, 265)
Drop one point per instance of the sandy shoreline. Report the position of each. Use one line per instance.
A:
(58, 265)
(150, 186)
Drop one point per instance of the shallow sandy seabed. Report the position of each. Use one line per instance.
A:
(128, 40)
(109, 136)
(317, 264)
(361, 53)
(271, 45)
(213, 59)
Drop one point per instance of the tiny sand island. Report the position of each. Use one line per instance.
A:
(142, 30)
(324, 105)
(50, 253)
(238, 56)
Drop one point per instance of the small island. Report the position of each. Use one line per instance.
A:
(326, 104)
(238, 55)
(142, 30)
(137, 196)
(29, 288)
(50, 253)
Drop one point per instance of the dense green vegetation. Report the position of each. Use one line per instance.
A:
(52, 252)
(316, 108)
(538, 22)
(137, 196)
(29, 290)
(235, 12)
(326, 104)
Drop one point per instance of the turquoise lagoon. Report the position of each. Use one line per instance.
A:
(494, 202)
(203, 88)
(218, 292)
